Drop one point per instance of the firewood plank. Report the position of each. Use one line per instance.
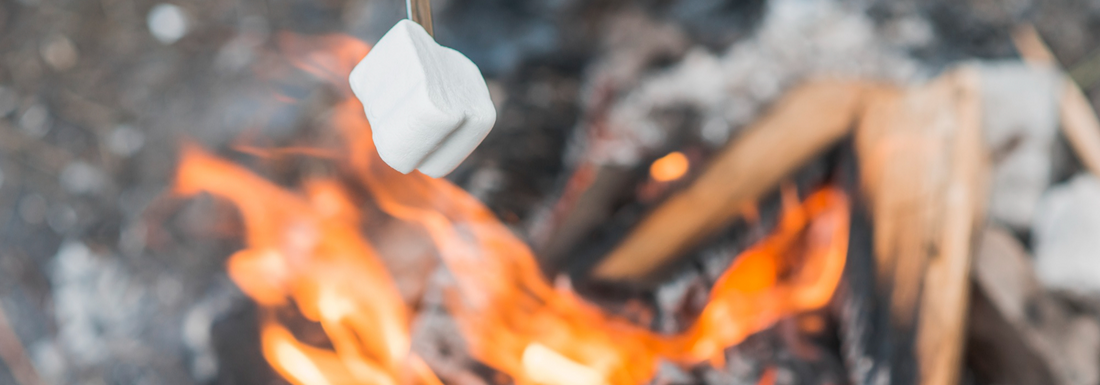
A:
(804, 123)
(923, 168)
(942, 330)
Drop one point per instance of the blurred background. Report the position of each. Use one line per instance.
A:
(105, 278)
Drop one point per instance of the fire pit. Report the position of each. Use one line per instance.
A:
(690, 192)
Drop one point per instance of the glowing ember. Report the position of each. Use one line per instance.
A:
(769, 376)
(306, 251)
(670, 167)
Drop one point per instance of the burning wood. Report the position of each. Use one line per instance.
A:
(923, 167)
(923, 171)
(349, 271)
(803, 124)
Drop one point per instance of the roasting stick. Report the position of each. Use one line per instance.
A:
(420, 11)
(1079, 121)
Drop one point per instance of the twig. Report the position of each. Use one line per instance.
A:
(1031, 46)
(1087, 72)
(1005, 345)
(13, 355)
(1079, 122)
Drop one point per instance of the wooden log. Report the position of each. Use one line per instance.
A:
(584, 207)
(803, 124)
(924, 171)
(1079, 122)
(1021, 334)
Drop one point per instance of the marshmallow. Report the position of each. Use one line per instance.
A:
(427, 104)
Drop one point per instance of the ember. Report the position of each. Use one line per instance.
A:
(670, 167)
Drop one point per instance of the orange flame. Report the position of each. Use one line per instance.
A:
(795, 269)
(307, 250)
(514, 320)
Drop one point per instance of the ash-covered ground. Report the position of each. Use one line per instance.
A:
(107, 279)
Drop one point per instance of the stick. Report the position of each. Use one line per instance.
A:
(1031, 46)
(804, 123)
(1005, 345)
(1081, 127)
(585, 206)
(420, 11)
(13, 355)
(1079, 122)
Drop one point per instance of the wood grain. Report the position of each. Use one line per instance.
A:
(923, 168)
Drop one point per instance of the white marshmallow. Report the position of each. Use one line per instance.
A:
(427, 104)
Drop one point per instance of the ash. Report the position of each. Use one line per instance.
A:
(796, 39)
(98, 307)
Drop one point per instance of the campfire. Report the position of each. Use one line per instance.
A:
(812, 196)
(306, 253)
